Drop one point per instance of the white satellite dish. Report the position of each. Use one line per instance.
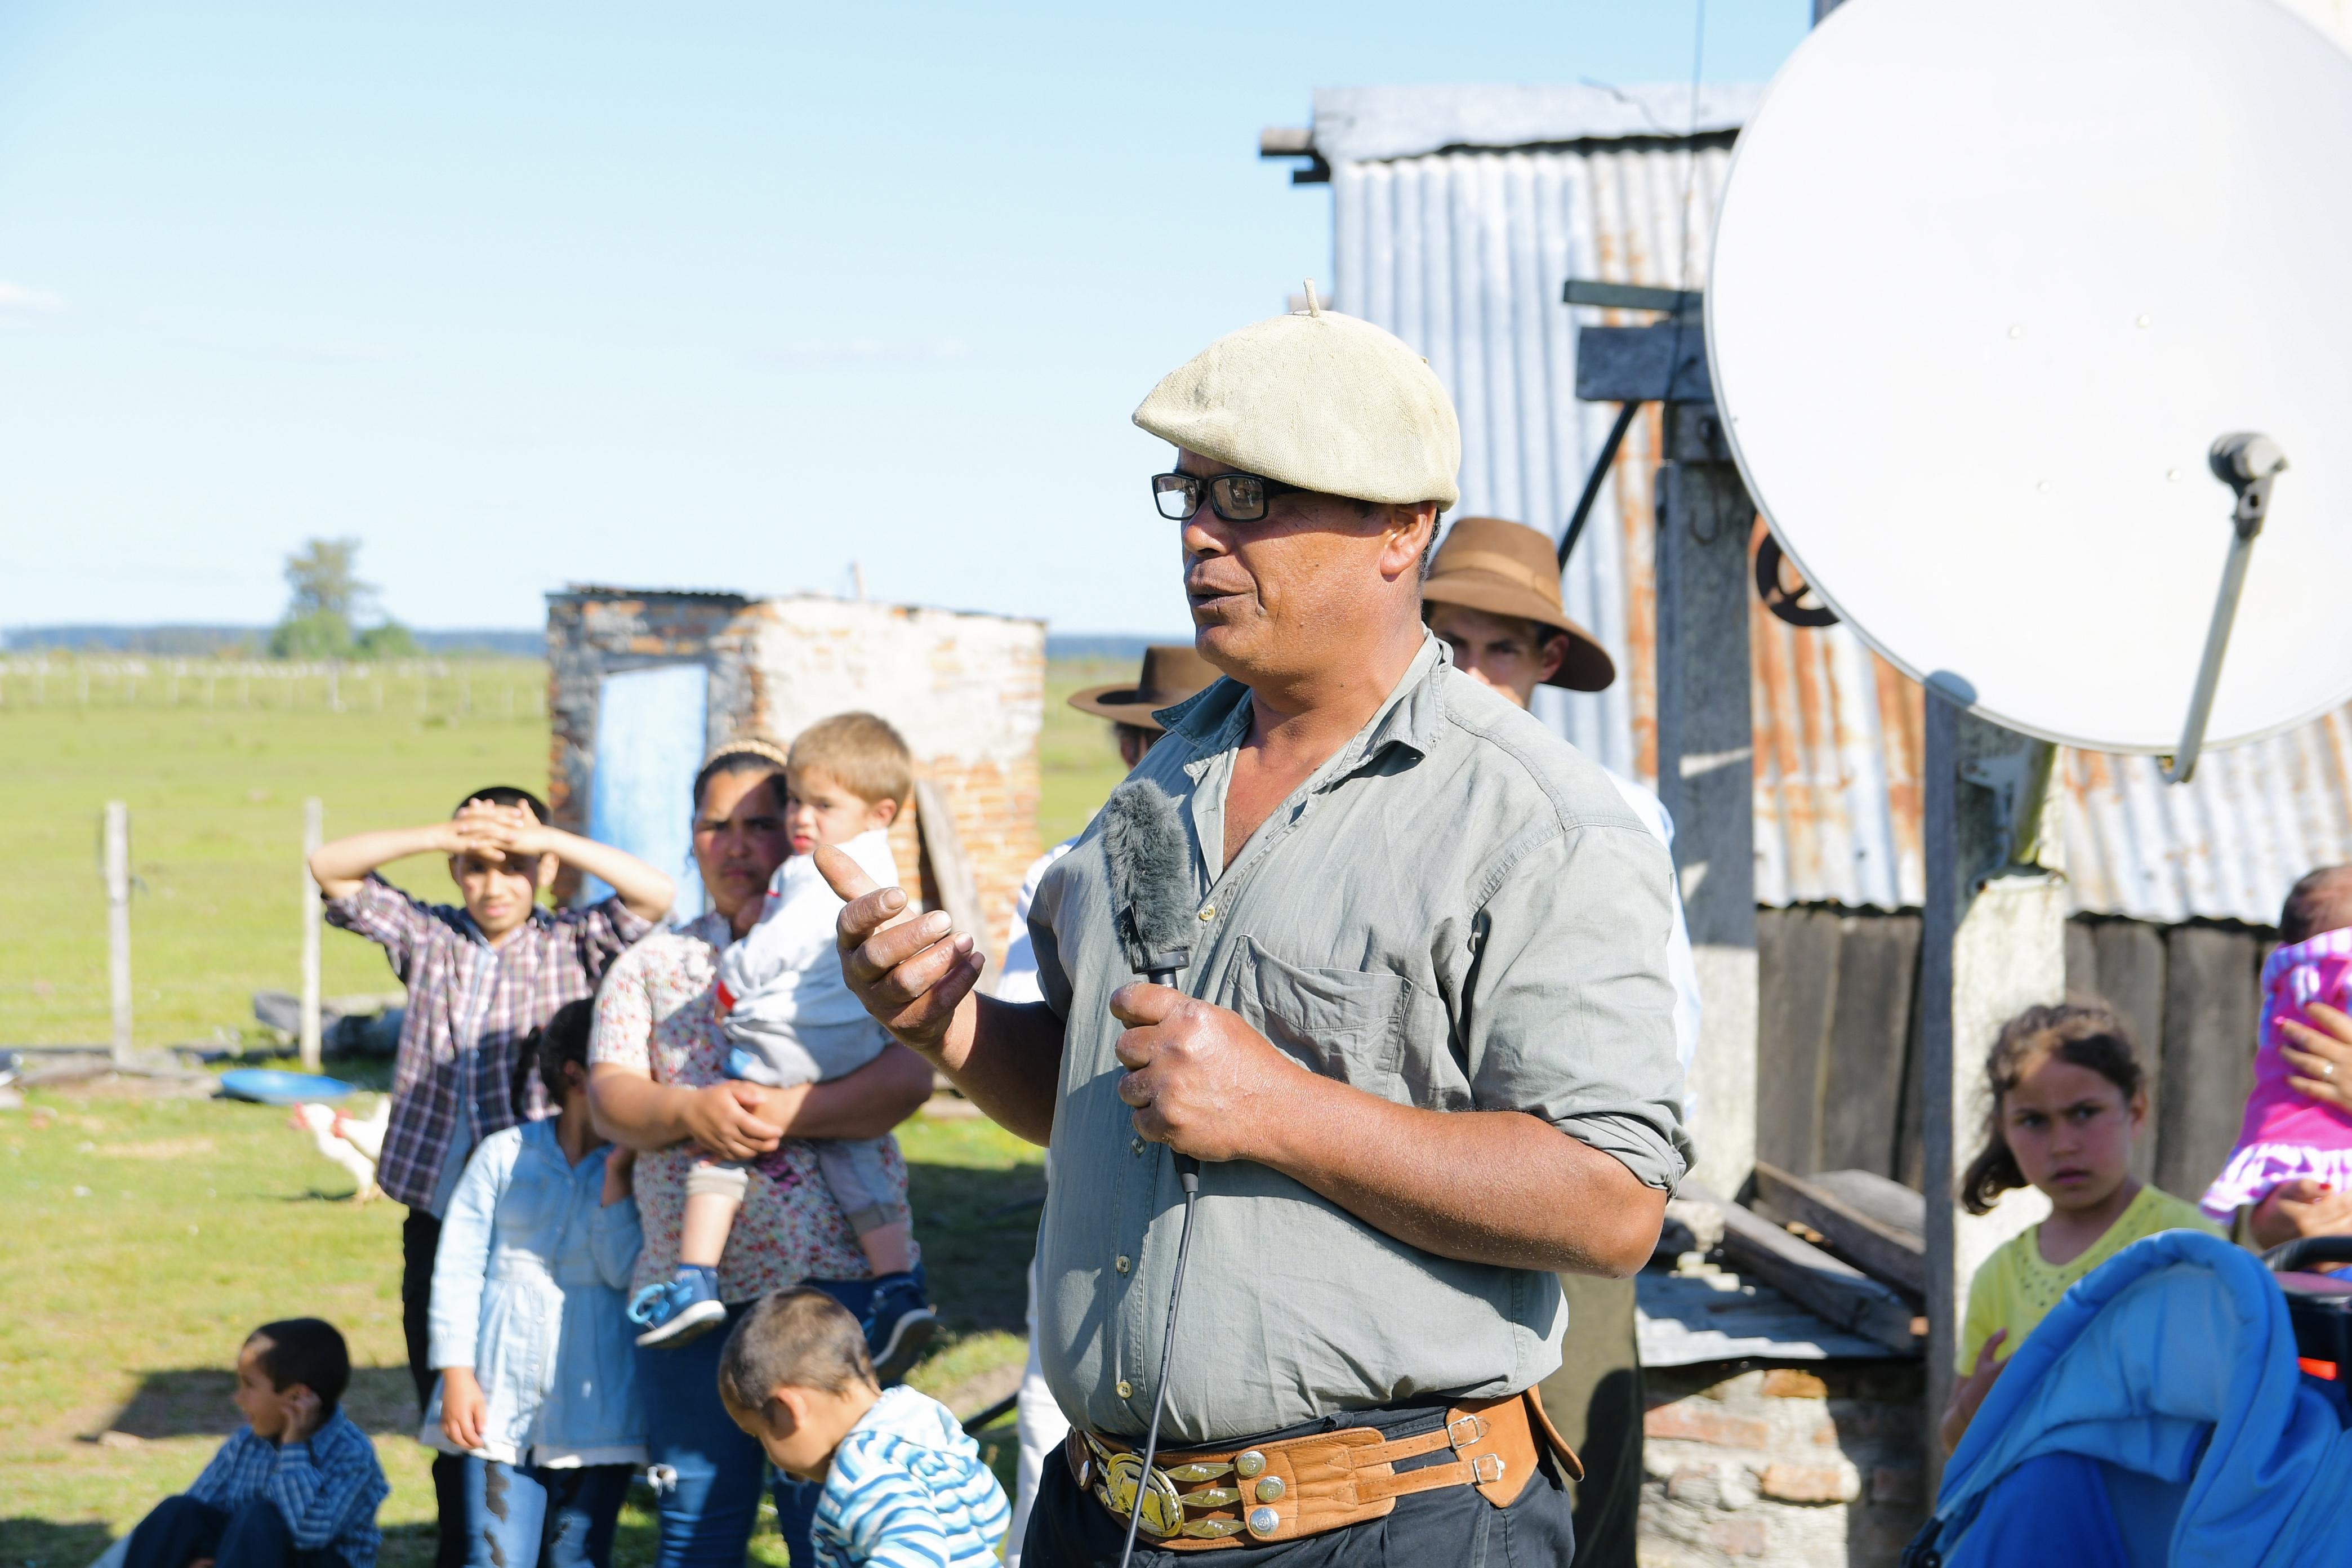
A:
(1990, 278)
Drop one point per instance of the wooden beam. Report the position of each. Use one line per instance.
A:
(1889, 1255)
(1632, 365)
(1832, 1289)
(951, 870)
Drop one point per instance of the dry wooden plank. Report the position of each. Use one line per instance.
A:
(1889, 1255)
(1840, 1293)
(951, 869)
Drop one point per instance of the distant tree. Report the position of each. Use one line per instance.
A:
(389, 640)
(325, 604)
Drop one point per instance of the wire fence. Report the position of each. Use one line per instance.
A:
(423, 687)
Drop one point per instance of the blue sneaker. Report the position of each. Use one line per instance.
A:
(900, 1327)
(680, 1309)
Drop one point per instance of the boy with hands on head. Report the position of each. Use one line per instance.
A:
(481, 978)
(904, 1485)
(791, 1020)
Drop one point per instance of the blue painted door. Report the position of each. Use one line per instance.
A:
(651, 732)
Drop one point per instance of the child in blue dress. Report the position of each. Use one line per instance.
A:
(538, 1386)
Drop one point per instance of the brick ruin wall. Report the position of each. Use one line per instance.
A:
(1782, 1467)
(967, 691)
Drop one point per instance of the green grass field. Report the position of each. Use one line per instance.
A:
(144, 1236)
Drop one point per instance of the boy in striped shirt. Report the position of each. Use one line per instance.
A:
(904, 1487)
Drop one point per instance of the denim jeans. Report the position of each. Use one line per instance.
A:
(519, 1516)
(252, 1535)
(709, 1491)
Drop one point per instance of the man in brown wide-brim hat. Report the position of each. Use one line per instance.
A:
(1492, 595)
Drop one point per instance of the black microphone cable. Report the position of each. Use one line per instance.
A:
(1187, 1171)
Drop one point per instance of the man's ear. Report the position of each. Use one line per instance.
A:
(1553, 655)
(1411, 530)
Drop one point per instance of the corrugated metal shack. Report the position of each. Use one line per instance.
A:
(1457, 215)
(641, 682)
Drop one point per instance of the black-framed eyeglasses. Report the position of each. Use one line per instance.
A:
(1236, 498)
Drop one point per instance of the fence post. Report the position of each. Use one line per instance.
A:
(118, 922)
(334, 686)
(313, 824)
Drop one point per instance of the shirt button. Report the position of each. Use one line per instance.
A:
(1122, 1263)
(1208, 911)
(1136, 1147)
(1126, 1389)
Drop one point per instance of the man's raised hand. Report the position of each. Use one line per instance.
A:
(911, 975)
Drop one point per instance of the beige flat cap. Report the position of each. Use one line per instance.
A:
(1319, 400)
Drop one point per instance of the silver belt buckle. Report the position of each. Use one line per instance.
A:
(1120, 1477)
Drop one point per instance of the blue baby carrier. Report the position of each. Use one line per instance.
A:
(2182, 1405)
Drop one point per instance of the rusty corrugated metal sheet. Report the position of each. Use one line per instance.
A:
(1461, 248)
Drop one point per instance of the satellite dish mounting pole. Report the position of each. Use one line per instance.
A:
(2248, 463)
(1993, 944)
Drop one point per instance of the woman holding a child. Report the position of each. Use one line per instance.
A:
(660, 1084)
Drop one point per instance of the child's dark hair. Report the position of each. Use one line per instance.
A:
(563, 1039)
(307, 1350)
(506, 795)
(2321, 900)
(2084, 1035)
(799, 1338)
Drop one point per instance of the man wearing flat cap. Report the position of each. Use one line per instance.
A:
(1423, 1049)
(1492, 595)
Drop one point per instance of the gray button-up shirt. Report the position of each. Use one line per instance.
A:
(1455, 912)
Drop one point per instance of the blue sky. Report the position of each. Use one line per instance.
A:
(720, 296)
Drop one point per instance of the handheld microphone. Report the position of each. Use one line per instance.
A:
(1143, 838)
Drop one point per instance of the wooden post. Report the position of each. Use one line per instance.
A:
(1706, 769)
(313, 822)
(1994, 943)
(117, 924)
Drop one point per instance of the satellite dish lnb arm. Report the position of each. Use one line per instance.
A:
(2247, 462)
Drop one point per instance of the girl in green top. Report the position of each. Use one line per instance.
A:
(2067, 1100)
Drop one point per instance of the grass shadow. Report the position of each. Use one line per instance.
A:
(197, 1403)
(978, 1228)
(52, 1543)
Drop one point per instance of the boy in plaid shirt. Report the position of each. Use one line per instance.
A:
(296, 1487)
(481, 977)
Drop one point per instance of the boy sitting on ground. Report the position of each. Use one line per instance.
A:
(297, 1486)
(903, 1483)
(791, 1019)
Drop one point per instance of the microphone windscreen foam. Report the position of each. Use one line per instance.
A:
(1143, 838)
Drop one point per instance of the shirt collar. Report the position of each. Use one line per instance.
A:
(1217, 718)
(539, 918)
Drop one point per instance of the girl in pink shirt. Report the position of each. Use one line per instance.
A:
(2286, 1136)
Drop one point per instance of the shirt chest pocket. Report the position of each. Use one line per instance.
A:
(1345, 1024)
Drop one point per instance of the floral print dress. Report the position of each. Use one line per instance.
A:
(658, 1014)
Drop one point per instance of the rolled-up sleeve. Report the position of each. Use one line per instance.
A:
(1570, 1012)
(603, 931)
(386, 917)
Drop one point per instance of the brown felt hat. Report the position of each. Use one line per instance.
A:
(1509, 569)
(1171, 672)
